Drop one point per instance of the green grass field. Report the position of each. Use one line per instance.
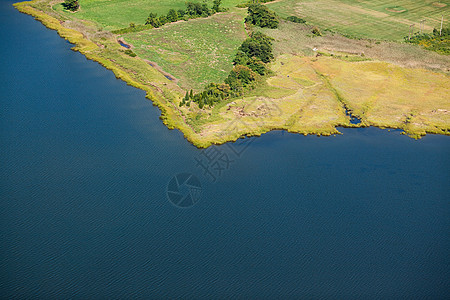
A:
(116, 14)
(374, 19)
(196, 52)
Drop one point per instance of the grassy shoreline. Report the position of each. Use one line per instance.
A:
(321, 118)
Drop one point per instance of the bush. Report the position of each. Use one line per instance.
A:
(72, 5)
(172, 15)
(434, 42)
(130, 53)
(295, 19)
(153, 20)
(196, 10)
(258, 45)
(261, 16)
(316, 31)
(247, 4)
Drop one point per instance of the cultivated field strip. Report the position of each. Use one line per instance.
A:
(377, 19)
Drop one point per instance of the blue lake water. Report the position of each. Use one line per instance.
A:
(84, 168)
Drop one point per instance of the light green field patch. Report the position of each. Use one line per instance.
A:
(196, 52)
(304, 82)
(169, 56)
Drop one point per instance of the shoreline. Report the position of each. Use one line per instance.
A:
(171, 115)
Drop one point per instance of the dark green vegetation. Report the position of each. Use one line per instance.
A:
(437, 41)
(295, 19)
(72, 5)
(247, 4)
(261, 16)
(130, 53)
(193, 10)
(316, 31)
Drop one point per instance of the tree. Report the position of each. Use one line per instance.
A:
(194, 9)
(255, 64)
(172, 15)
(153, 20)
(241, 58)
(216, 5)
(72, 5)
(316, 31)
(258, 45)
(261, 16)
(163, 20)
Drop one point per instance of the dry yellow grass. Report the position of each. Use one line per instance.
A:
(386, 95)
(381, 94)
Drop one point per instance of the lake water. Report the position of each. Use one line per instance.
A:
(85, 164)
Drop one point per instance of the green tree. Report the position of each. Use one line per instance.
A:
(258, 45)
(261, 16)
(163, 20)
(194, 9)
(172, 15)
(241, 58)
(153, 20)
(72, 5)
(216, 5)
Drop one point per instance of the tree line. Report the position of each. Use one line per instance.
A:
(193, 10)
(438, 40)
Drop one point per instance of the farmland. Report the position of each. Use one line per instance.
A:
(115, 14)
(373, 19)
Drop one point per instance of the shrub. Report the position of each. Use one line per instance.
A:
(72, 5)
(261, 16)
(172, 15)
(153, 20)
(316, 31)
(130, 53)
(296, 19)
(258, 45)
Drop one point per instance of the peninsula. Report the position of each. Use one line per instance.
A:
(221, 70)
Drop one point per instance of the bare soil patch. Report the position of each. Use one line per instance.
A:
(157, 67)
(439, 4)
